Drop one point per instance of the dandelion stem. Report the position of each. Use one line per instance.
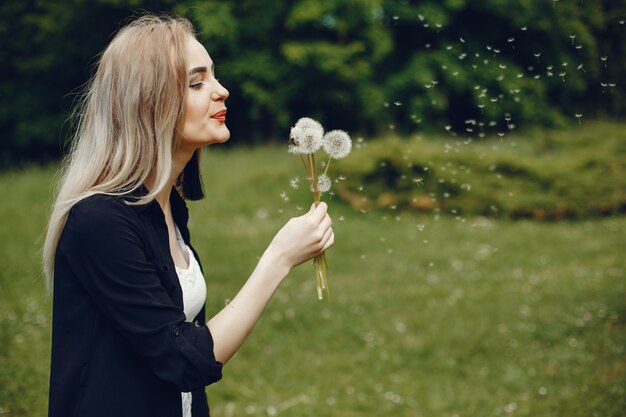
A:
(305, 163)
(327, 165)
(316, 194)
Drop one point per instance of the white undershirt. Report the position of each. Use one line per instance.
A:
(194, 297)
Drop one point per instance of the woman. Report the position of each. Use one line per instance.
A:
(129, 336)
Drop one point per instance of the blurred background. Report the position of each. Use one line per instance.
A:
(479, 264)
(362, 65)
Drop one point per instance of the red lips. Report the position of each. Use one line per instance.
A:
(220, 116)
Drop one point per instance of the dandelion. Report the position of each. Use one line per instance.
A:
(305, 139)
(337, 144)
(307, 122)
(323, 183)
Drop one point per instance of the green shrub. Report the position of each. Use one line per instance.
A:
(573, 173)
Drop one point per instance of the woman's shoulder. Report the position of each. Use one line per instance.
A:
(102, 222)
(99, 205)
(101, 215)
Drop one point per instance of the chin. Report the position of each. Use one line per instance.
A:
(223, 138)
(220, 137)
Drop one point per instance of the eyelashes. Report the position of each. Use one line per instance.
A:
(196, 86)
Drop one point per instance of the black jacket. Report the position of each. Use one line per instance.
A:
(120, 343)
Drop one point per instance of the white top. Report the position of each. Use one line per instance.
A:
(194, 296)
(193, 286)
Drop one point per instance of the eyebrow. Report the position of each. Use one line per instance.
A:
(201, 69)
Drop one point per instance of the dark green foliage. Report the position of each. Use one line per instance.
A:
(575, 173)
(47, 54)
(363, 65)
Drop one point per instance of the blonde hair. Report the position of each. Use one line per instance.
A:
(128, 122)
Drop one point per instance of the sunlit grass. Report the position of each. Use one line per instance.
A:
(430, 315)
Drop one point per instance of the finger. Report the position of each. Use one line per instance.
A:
(325, 223)
(329, 241)
(319, 212)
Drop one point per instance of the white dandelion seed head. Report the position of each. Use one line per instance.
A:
(323, 183)
(307, 122)
(337, 144)
(305, 139)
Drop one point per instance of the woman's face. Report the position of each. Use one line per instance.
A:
(205, 114)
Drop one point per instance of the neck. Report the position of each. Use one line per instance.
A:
(179, 160)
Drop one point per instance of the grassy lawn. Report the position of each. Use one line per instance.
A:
(431, 315)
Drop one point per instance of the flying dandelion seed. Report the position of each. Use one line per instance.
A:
(578, 116)
(603, 59)
(293, 183)
(511, 42)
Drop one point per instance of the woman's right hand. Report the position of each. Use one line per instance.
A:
(302, 238)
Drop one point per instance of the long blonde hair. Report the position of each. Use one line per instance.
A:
(128, 121)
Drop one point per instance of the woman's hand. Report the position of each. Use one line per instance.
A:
(298, 241)
(302, 238)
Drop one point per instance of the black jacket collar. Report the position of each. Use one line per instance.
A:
(180, 213)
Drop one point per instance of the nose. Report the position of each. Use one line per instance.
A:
(220, 93)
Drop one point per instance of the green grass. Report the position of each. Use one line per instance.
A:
(430, 315)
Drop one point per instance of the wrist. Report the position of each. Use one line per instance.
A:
(275, 264)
